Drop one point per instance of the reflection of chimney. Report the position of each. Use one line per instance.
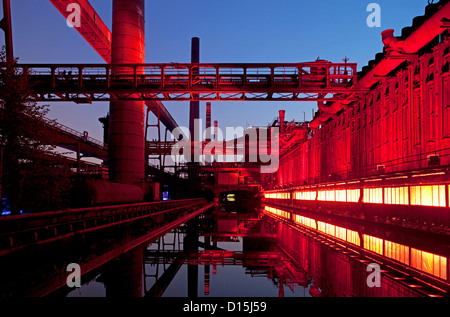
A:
(282, 113)
(216, 130)
(208, 121)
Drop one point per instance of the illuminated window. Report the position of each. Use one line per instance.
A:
(307, 195)
(373, 195)
(396, 252)
(311, 223)
(330, 229)
(430, 263)
(396, 195)
(321, 195)
(353, 195)
(327, 195)
(353, 237)
(341, 195)
(373, 244)
(428, 195)
(341, 233)
(321, 226)
(231, 197)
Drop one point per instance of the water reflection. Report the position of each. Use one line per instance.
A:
(258, 254)
(268, 252)
(217, 255)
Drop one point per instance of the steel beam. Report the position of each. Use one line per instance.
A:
(97, 34)
(184, 82)
(92, 29)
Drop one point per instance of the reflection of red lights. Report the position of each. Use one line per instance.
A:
(421, 260)
(429, 195)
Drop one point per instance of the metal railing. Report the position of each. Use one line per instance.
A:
(94, 82)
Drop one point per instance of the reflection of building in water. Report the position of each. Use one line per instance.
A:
(255, 250)
(413, 260)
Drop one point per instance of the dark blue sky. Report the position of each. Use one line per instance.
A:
(282, 31)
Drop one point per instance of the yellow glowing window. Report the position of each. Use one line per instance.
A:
(428, 195)
(341, 233)
(373, 244)
(430, 263)
(330, 229)
(353, 237)
(308, 195)
(396, 195)
(373, 195)
(305, 221)
(396, 252)
(321, 226)
(353, 195)
(327, 195)
(322, 195)
(341, 195)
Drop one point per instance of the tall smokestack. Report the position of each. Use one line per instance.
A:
(126, 140)
(194, 108)
(208, 121)
(282, 114)
(216, 130)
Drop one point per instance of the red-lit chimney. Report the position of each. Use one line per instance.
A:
(208, 121)
(216, 129)
(282, 113)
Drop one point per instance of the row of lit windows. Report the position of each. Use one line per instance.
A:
(339, 232)
(308, 222)
(342, 195)
(416, 195)
(278, 212)
(424, 261)
(277, 195)
(308, 195)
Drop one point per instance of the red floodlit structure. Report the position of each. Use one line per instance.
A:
(390, 147)
(314, 81)
(383, 128)
(92, 27)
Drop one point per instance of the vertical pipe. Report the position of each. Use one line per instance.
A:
(208, 128)
(208, 121)
(126, 141)
(6, 26)
(216, 130)
(282, 114)
(194, 109)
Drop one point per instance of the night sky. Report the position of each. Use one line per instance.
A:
(283, 31)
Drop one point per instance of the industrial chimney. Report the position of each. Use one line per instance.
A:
(208, 121)
(216, 130)
(282, 114)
